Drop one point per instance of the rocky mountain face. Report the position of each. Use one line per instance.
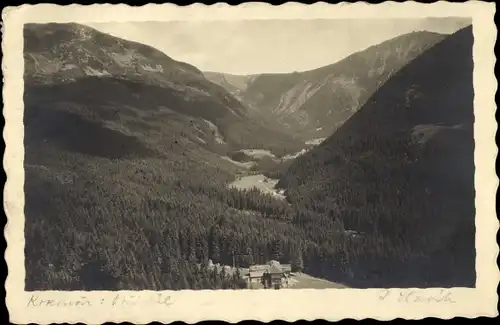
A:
(315, 103)
(401, 169)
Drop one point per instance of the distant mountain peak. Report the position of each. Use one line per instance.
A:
(58, 52)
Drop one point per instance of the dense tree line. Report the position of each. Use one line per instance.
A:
(131, 224)
(152, 231)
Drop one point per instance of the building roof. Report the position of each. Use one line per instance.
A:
(272, 267)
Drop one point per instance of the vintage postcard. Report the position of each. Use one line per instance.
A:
(250, 162)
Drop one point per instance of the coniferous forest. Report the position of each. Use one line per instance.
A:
(126, 187)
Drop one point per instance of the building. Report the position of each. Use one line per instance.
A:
(273, 277)
(255, 275)
(270, 275)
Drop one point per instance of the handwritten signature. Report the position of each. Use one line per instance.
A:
(119, 299)
(415, 296)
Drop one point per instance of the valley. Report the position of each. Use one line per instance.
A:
(251, 176)
(147, 167)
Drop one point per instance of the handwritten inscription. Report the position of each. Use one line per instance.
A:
(37, 301)
(416, 296)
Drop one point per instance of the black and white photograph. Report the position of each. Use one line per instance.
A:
(249, 154)
(343, 159)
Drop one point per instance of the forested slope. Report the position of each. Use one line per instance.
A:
(401, 170)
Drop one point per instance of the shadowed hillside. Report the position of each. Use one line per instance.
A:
(401, 170)
(315, 103)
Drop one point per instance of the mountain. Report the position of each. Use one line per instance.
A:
(315, 103)
(237, 86)
(401, 170)
(80, 64)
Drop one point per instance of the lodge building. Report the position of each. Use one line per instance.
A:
(270, 275)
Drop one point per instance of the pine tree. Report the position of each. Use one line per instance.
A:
(277, 252)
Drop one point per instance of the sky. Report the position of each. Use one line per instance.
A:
(270, 46)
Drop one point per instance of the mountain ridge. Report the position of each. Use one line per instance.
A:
(316, 102)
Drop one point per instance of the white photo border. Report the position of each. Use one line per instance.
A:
(191, 306)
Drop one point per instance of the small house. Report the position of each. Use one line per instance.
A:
(269, 275)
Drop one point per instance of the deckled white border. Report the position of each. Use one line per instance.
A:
(265, 305)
